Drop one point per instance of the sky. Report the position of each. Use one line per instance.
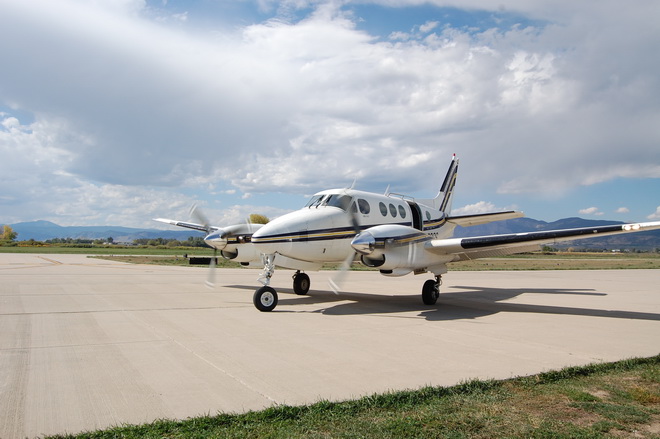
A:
(114, 112)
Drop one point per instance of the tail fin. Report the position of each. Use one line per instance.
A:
(443, 200)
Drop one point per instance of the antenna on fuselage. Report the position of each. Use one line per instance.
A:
(387, 191)
(354, 183)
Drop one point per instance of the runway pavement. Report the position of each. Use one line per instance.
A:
(87, 343)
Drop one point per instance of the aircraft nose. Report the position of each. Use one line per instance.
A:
(273, 238)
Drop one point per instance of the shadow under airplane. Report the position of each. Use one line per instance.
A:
(471, 303)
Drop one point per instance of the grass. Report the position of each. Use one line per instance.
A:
(527, 261)
(107, 250)
(562, 261)
(535, 261)
(620, 399)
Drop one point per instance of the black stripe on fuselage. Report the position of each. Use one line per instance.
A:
(314, 235)
(434, 224)
(493, 241)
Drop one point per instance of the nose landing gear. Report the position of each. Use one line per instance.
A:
(265, 298)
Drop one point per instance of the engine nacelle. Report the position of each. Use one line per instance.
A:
(234, 242)
(372, 262)
(241, 253)
(395, 250)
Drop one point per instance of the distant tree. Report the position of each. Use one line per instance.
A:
(195, 241)
(8, 233)
(256, 218)
(110, 240)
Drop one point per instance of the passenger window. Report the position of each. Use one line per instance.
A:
(364, 206)
(383, 209)
(393, 210)
(402, 212)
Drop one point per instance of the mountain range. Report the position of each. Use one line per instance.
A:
(44, 230)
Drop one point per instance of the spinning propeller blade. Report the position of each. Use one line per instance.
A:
(199, 216)
(337, 280)
(210, 280)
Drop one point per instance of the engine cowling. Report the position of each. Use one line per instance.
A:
(231, 242)
(395, 250)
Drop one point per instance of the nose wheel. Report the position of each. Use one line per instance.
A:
(265, 299)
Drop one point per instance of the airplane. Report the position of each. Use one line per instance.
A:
(393, 233)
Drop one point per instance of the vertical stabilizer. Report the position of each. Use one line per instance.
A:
(444, 197)
(442, 201)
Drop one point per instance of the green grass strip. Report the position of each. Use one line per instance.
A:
(600, 400)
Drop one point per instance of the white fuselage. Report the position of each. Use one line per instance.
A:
(322, 231)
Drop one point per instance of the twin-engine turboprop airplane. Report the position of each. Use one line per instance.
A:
(391, 232)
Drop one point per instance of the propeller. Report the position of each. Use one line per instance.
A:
(337, 280)
(197, 214)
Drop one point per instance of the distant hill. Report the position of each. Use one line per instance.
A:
(44, 230)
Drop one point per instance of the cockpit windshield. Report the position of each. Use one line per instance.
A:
(315, 201)
(332, 200)
(341, 201)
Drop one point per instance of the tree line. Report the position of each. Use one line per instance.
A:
(8, 237)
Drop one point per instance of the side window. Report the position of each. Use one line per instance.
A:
(364, 206)
(383, 209)
(428, 216)
(392, 210)
(402, 212)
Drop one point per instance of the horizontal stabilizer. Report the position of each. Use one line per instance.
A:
(483, 218)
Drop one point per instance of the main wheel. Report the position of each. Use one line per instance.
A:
(265, 299)
(301, 284)
(430, 292)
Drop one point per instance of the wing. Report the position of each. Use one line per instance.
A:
(499, 245)
(200, 227)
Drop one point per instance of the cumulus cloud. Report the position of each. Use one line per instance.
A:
(622, 210)
(477, 208)
(655, 215)
(125, 100)
(590, 211)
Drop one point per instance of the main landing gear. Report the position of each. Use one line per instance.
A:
(431, 290)
(301, 283)
(265, 298)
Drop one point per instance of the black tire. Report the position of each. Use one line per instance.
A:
(265, 299)
(301, 284)
(430, 292)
